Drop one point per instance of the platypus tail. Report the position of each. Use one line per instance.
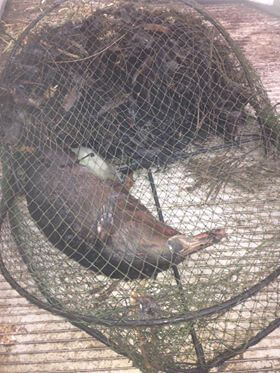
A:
(182, 246)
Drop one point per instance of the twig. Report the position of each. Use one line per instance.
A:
(93, 55)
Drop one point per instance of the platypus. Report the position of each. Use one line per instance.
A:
(95, 222)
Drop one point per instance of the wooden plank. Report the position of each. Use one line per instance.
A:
(2, 7)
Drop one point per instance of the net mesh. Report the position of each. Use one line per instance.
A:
(127, 129)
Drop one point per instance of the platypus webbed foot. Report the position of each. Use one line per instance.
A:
(184, 246)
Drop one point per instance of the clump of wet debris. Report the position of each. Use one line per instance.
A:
(131, 83)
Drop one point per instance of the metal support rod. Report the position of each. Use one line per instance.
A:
(155, 195)
(201, 362)
(196, 342)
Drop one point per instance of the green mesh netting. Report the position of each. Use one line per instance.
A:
(140, 181)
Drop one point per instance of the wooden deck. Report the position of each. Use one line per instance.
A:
(2, 7)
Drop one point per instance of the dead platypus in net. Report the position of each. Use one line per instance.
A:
(95, 222)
